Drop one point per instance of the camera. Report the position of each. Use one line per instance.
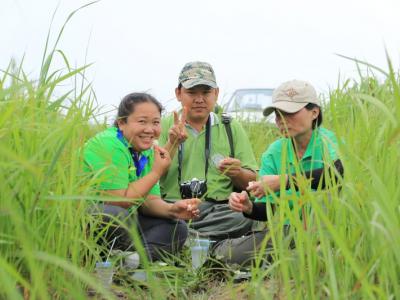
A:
(194, 188)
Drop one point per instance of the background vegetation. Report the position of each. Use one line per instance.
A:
(349, 247)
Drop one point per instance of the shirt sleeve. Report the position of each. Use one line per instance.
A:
(165, 126)
(242, 147)
(330, 144)
(267, 165)
(321, 177)
(259, 212)
(155, 190)
(109, 166)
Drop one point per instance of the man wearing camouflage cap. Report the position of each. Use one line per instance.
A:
(204, 164)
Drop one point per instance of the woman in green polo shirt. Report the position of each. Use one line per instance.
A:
(305, 149)
(125, 164)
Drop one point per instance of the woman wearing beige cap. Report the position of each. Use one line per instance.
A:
(305, 150)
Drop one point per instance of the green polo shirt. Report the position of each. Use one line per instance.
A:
(280, 157)
(109, 159)
(193, 164)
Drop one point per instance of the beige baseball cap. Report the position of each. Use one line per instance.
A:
(291, 96)
(197, 73)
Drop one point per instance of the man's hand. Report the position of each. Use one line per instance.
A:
(177, 133)
(162, 160)
(229, 166)
(240, 202)
(186, 209)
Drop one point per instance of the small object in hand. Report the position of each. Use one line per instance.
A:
(155, 142)
(216, 159)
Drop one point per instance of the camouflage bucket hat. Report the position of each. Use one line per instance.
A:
(291, 96)
(197, 73)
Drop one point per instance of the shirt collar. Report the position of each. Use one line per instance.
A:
(214, 121)
(311, 145)
(309, 150)
(128, 145)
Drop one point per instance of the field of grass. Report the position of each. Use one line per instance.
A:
(349, 249)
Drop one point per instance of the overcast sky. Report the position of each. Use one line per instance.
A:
(142, 45)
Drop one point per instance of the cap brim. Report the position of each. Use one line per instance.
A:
(286, 106)
(187, 84)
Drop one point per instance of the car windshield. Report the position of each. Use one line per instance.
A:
(249, 100)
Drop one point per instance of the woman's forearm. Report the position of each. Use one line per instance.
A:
(156, 207)
(141, 187)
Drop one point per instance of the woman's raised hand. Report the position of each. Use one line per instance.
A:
(240, 202)
(162, 160)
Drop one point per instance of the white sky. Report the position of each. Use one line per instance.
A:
(142, 45)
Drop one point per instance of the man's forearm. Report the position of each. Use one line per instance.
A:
(242, 179)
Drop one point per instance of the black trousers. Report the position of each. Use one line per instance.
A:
(159, 236)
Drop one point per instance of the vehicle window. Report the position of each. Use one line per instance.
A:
(250, 100)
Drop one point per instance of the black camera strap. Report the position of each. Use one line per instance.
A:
(206, 152)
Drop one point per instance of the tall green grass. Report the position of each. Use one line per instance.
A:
(44, 238)
(46, 246)
(349, 249)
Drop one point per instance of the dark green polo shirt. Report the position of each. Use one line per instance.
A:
(280, 157)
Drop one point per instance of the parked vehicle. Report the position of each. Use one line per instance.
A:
(248, 104)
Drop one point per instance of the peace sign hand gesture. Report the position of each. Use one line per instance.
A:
(177, 134)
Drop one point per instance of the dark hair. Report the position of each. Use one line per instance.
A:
(128, 103)
(317, 122)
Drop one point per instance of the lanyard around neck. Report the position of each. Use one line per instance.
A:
(139, 161)
(206, 152)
